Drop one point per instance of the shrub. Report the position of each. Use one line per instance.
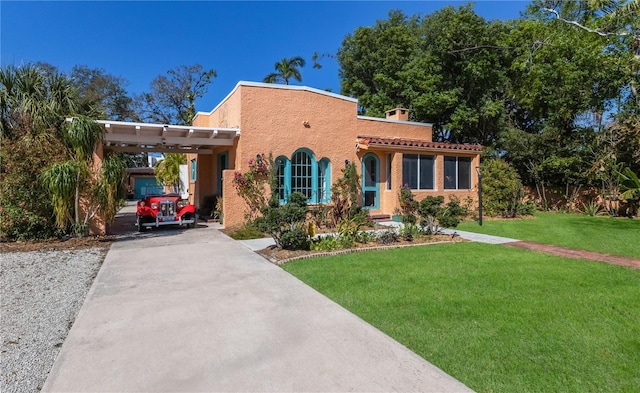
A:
(450, 216)
(387, 236)
(320, 214)
(295, 239)
(218, 209)
(429, 213)
(406, 199)
(409, 218)
(279, 221)
(365, 237)
(430, 206)
(410, 232)
(348, 230)
(345, 195)
(247, 231)
(346, 241)
(528, 208)
(26, 211)
(251, 185)
(325, 243)
(502, 190)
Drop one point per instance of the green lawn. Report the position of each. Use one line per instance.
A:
(618, 236)
(497, 318)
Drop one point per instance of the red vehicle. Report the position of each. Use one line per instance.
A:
(156, 210)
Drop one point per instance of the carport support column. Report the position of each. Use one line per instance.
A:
(233, 206)
(97, 225)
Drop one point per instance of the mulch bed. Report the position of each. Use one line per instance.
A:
(58, 244)
(279, 257)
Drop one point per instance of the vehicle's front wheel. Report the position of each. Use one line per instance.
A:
(139, 224)
(189, 216)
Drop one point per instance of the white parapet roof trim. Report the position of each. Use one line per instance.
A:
(278, 86)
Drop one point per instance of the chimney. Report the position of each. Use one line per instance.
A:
(401, 114)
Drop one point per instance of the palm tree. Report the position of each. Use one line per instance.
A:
(62, 180)
(109, 192)
(168, 170)
(33, 102)
(67, 180)
(286, 69)
(630, 184)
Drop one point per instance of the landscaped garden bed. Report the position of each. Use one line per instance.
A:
(302, 231)
(280, 256)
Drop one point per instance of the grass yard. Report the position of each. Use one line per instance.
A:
(499, 319)
(617, 236)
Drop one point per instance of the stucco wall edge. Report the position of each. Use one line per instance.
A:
(277, 86)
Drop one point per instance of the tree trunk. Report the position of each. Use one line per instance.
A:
(77, 201)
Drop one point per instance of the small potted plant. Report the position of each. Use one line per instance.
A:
(397, 215)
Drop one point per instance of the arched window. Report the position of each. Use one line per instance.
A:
(302, 174)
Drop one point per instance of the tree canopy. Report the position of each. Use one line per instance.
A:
(548, 96)
(173, 96)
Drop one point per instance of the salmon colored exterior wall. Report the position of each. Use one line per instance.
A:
(97, 226)
(278, 120)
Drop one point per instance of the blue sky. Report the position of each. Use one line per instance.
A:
(241, 40)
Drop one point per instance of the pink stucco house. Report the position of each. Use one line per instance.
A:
(311, 133)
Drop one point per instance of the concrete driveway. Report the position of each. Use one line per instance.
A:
(195, 311)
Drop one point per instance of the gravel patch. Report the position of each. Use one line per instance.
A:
(41, 294)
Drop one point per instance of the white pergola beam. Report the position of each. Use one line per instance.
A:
(134, 149)
(168, 140)
(135, 137)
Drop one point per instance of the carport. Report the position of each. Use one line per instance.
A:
(131, 137)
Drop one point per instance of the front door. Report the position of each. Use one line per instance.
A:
(370, 179)
(223, 163)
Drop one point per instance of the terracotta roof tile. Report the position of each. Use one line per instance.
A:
(415, 143)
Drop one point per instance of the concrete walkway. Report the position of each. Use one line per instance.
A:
(195, 311)
(479, 237)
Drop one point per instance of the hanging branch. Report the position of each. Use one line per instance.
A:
(575, 23)
(480, 47)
